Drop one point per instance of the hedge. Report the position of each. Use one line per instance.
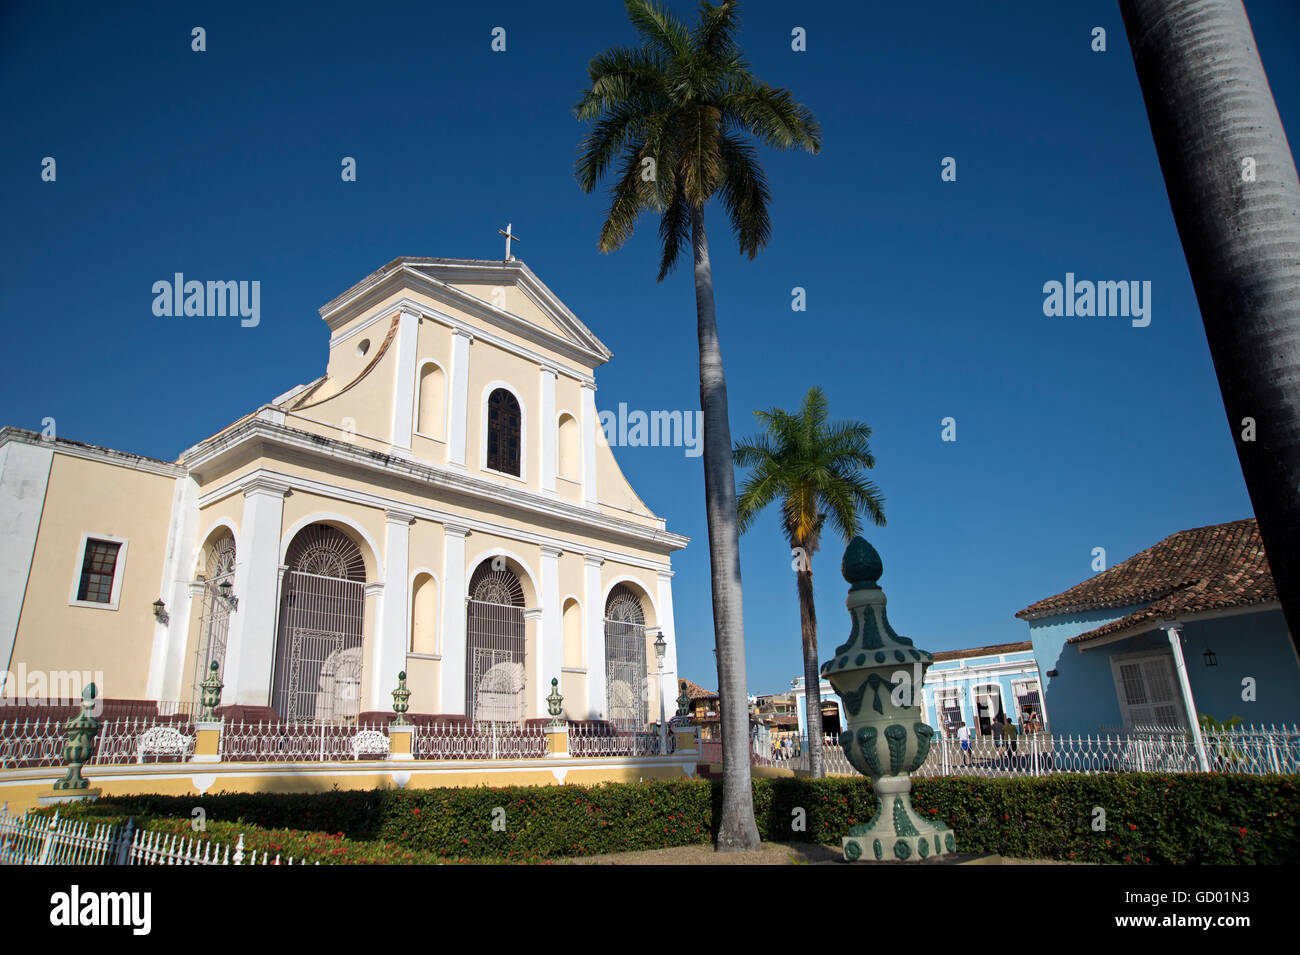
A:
(1113, 818)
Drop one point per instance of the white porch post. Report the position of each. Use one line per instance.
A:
(250, 648)
(1175, 634)
(595, 620)
(391, 634)
(453, 619)
(669, 630)
(550, 427)
(458, 400)
(550, 638)
(590, 422)
(408, 326)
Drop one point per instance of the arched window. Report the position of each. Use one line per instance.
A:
(432, 394)
(494, 656)
(625, 670)
(424, 614)
(218, 569)
(570, 441)
(318, 648)
(503, 432)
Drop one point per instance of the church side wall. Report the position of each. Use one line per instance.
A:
(56, 636)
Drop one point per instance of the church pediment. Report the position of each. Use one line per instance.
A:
(504, 294)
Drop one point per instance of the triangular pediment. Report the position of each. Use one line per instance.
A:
(504, 294)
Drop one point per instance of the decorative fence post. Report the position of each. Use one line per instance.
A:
(557, 730)
(207, 728)
(81, 731)
(886, 738)
(400, 732)
(125, 839)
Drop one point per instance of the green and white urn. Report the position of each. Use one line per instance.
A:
(878, 675)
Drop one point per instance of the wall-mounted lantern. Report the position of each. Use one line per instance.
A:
(1210, 659)
(160, 611)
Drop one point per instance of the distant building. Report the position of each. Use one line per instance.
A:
(706, 709)
(1189, 626)
(973, 686)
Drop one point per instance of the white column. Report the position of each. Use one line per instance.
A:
(166, 666)
(590, 422)
(550, 637)
(250, 646)
(453, 619)
(1175, 634)
(458, 401)
(389, 657)
(408, 327)
(550, 438)
(593, 599)
(670, 689)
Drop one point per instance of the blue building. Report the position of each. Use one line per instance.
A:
(973, 686)
(1190, 626)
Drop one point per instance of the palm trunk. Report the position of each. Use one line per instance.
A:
(737, 830)
(812, 680)
(1210, 109)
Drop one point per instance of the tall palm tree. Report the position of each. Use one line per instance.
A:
(814, 468)
(1233, 189)
(677, 114)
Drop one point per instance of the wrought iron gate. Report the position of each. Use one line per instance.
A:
(494, 663)
(319, 646)
(214, 622)
(625, 663)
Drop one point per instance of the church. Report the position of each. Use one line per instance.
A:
(441, 501)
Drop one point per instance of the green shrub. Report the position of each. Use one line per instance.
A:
(1178, 818)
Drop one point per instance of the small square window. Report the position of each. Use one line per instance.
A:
(97, 569)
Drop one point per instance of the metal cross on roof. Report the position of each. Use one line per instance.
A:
(509, 237)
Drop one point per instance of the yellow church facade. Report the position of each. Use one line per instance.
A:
(441, 501)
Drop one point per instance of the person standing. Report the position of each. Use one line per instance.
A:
(1009, 733)
(963, 737)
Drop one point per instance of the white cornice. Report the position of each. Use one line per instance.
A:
(530, 503)
(90, 452)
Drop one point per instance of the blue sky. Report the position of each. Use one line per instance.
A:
(924, 297)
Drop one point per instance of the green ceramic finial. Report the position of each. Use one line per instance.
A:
(861, 566)
(401, 696)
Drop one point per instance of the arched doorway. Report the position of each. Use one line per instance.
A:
(625, 668)
(988, 707)
(494, 657)
(214, 619)
(322, 610)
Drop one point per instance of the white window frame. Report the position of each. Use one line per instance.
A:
(941, 695)
(522, 476)
(119, 571)
(1027, 683)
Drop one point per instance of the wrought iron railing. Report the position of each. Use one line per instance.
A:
(1254, 750)
(478, 741)
(600, 740)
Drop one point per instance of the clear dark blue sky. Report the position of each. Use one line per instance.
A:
(924, 297)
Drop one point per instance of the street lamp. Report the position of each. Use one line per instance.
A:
(661, 647)
(225, 590)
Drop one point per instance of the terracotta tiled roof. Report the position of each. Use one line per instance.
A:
(993, 650)
(1206, 568)
(695, 691)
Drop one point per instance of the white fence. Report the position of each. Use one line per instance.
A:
(597, 740)
(478, 741)
(1254, 750)
(298, 742)
(41, 840)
